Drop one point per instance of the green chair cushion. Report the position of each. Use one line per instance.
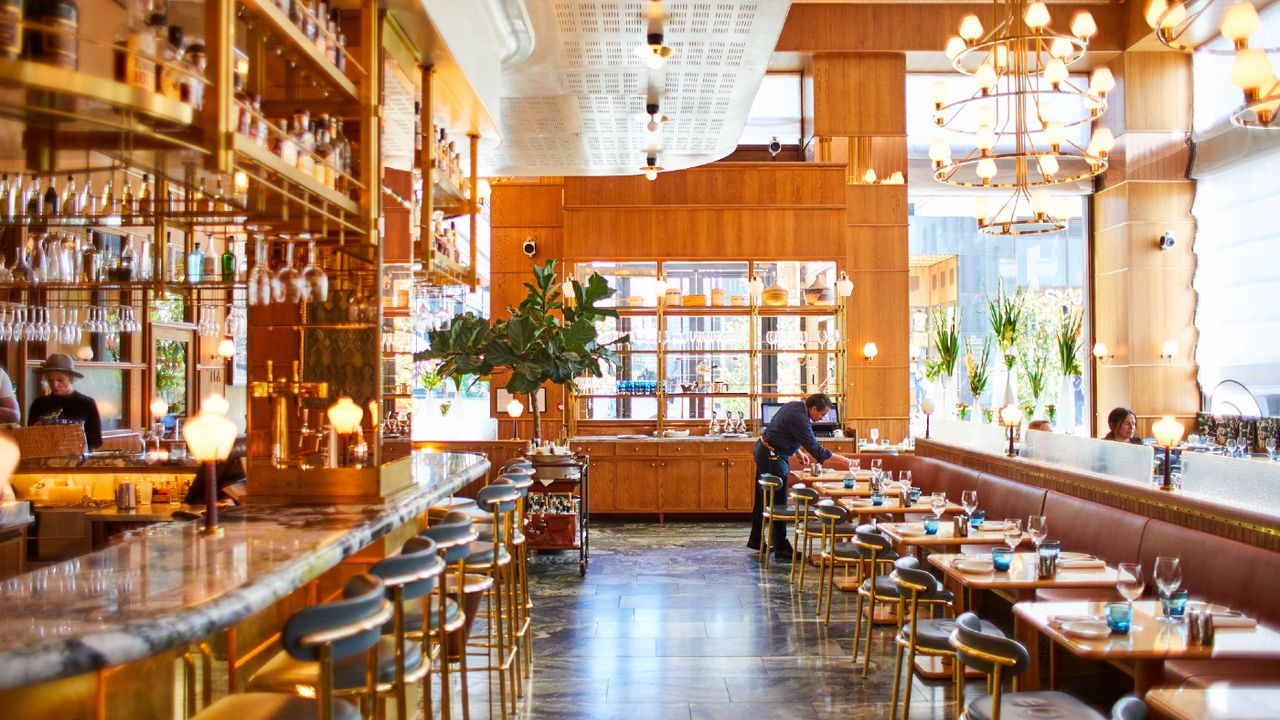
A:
(283, 673)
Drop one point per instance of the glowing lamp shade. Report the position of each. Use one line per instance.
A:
(869, 177)
(84, 353)
(515, 408)
(345, 415)
(650, 175)
(986, 168)
(1061, 48)
(1062, 207)
(1055, 133)
(1252, 71)
(209, 437)
(870, 351)
(240, 182)
(1083, 26)
(981, 209)
(1155, 8)
(1037, 16)
(216, 404)
(1168, 349)
(970, 28)
(226, 348)
(1240, 21)
(1010, 415)
(1055, 71)
(1040, 201)
(1175, 16)
(928, 405)
(1001, 53)
(1048, 165)
(159, 408)
(755, 287)
(1102, 81)
(954, 47)
(1168, 431)
(660, 287)
(940, 151)
(844, 286)
(938, 93)
(1100, 350)
(986, 138)
(1103, 141)
(985, 77)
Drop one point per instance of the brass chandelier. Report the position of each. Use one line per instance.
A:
(1018, 117)
(1186, 26)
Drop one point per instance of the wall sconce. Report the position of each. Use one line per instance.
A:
(1168, 350)
(344, 417)
(1168, 432)
(1101, 353)
(927, 406)
(567, 290)
(84, 353)
(870, 351)
(869, 177)
(210, 438)
(755, 288)
(1011, 417)
(515, 409)
(844, 286)
(226, 348)
(240, 183)
(660, 288)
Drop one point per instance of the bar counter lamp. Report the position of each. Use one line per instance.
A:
(515, 409)
(1168, 349)
(1168, 432)
(216, 404)
(927, 406)
(345, 416)
(844, 286)
(159, 408)
(755, 287)
(1011, 417)
(1101, 352)
(870, 351)
(210, 438)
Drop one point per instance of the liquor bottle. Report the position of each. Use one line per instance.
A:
(69, 197)
(126, 203)
(219, 196)
(340, 54)
(228, 261)
(144, 198)
(10, 29)
(169, 73)
(51, 31)
(134, 49)
(125, 273)
(84, 200)
(14, 205)
(6, 211)
(323, 171)
(31, 199)
(107, 206)
(288, 144)
(50, 199)
(195, 264)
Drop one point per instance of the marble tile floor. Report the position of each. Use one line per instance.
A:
(680, 621)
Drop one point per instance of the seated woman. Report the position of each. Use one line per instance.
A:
(63, 404)
(1123, 424)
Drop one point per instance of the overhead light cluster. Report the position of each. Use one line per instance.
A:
(1018, 115)
(655, 54)
(1178, 24)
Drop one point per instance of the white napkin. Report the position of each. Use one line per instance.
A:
(1082, 564)
(994, 525)
(1088, 629)
(910, 530)
(976, 565)
(860, 503)
(1233, 619)
(1058, 620)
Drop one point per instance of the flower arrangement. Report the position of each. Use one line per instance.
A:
(988, 416)
(1067, 339)
(978, 372)
(946, 340)
(962, 410)
(1006, 313)
(1051, 412)
(1035, 366)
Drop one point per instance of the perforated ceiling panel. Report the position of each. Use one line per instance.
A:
(572, 106)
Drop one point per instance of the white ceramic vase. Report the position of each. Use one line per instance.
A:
(1066, 415)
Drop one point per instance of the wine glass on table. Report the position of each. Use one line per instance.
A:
(938, 504)
(1168, 577)
(1037, 528)
(874, 434)
(1012, 533)
(1129, 582)
(969, 501)
(877, 465)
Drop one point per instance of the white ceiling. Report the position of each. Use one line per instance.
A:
(570, 105)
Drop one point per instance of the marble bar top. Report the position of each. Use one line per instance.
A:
(649, 438)
(109, 460)
(171, 585)
(14, 513)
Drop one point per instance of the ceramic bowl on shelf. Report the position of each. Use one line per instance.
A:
(675, 433)
(775, 296)
(694, 301)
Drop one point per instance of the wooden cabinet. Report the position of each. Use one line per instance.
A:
(678, 485)
(603, 485)
(713, 484)
(636, 485)
(659, 478)
(740, 485)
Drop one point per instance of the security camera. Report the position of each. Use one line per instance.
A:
(775, 147)
(1167, 241)
(530, 247)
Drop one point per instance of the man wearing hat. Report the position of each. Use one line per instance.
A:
(63, 404)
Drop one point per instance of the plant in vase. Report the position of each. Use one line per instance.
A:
(946, 345)
(1067, 343)
(962, 410)
(544, 339)
(979, 370)
(1051, 412)
(1006, 314)
(1035, 367)
(988, 415)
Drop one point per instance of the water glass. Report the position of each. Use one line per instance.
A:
(914, 495)
(1013, 533)
(877, 497)
(1047, 558)
(1002, 558)
(931, 526)
(969, 501)
(1173, 604)
(1119, 616)
(855, 465)
(904, 477)
(1037, 527)
(877, 464)
(848, 483)
(977, 517)
(1167, 574)
(1129, 581)
(938, 504)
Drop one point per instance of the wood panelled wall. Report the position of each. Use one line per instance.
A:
(1143, 295)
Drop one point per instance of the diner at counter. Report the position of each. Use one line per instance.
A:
(64, 404)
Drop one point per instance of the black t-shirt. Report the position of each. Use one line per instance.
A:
(50, 409)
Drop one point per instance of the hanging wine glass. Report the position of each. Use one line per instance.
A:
(234, 324)
(288, 288)
(315, 278)
(254, 284)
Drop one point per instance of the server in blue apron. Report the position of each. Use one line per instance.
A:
(789, 432)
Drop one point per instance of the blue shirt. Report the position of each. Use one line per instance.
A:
(791, 429)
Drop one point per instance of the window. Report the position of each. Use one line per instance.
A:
(775, 112)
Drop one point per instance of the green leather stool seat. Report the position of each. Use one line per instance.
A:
(413, 620)
(274, 706)
(935, 634)
(482, 554)
(283, 673)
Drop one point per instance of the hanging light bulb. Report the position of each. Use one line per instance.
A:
(1083, 26)
(1046, 112)
(1040, 202)
(1176, 15)
(985, 77)
(985, 115)
(1102, 82)
(938, 93)
(986, 170)
(755, 288)
(970, 28)
(1103, 141)
(1037, 16)
(1055, 134)
(844, 286)
(1061, 48)
(1252, 72)
(1001, 56)
(1240, 22)
(985, 139)
(1055, 72)
(660, 287)
(1063, 207)
(651, 168)
(654, 53)
(981, 209)
(955, 46)
(1155, 8)
(939, 153)
(650, 174)
(1048, 165)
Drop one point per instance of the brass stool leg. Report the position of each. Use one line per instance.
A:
(871, 623)
(897, 677)
(857, 627)
(498, 632)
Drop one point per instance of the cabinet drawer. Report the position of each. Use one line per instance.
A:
(727, 447)
(595, 449)
(636, 449)
(673, 449)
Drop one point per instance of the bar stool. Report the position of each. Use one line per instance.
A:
(518, 547)
(769, 486)
(926, 636)
(494, 558)
(877, 550)
(334, 637)
(410, 576)
(833, 552)
(996, 655)
(802, 499)
(453, 536)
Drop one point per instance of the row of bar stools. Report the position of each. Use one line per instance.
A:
(453, 535)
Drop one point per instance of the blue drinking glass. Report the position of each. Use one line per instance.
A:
(931, 526)
(1002, 558)
(978, 517)
(1119, 615)
(877, 497)
(848, 483)
(915, 495)
(1174, 604)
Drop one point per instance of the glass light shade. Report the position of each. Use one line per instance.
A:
(1102, 81)
(1048, 165)
(1040, 201)
(1037, 15)
(1155, 8)
(1055, 133)
(650, 175)
(374, 413)
(844, 286)
(1060, 48)
(226, 348)
(870, 351)
(985, 114)
(938, 93)
(1093, 104)
(1046, 111)
(1083, 26)
(240, 182)
(654, 59)
(209, 437)
(986, 138)
(1100, 349)
(1000, 56)
(928, 405)
(1252, 70)
(1062, 207)
(1055, 71)
(1176, 15)
(1168, 431)
(755, 286)
(985, 77)
(1102, 140)
(954, 47)
(986, 168)
(345, 415)
(84, 353)
(940, 151)
(159, 408)
(515, 408)
(970, 28)
(216, 404)
(869, 177)
(660, 287)
(1168, 349)
(981, 209)
(1010, 415)
(566, 289)
(1240, 21)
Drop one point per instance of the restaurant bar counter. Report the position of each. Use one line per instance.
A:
(152, 595)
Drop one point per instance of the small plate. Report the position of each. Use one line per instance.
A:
(977, 567)
(1075, 556)
(1086, 629)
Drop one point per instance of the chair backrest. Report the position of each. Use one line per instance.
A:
(990, 654)
(453, 537)
(908, 575)
(415, 570)
(769, 481)
(830, 513)
(866, 536)
(805, 494)
(498, 498)
(348, 626)
(1129, 707)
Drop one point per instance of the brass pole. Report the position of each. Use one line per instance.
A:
(474, 206)
(219, 31)
(426, 163)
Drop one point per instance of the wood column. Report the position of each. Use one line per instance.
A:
(1142, 295)
(860, 119)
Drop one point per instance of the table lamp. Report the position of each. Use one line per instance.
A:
(216, 404)
(345, 416)
(1011, 417)
(159, 408)
(210, 438)
(927, 406)
(1168, 432)
(515, 409)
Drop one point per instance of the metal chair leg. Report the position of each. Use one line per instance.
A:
(897, 677)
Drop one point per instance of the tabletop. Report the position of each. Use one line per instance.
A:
(152, 512)
(892, 504)
(1149, 638)
(904, 533)
(1225, 700)
(1022, 574)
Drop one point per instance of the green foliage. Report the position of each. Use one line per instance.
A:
(1006, 314)
(946, 340)
(979, 371)
(544, 339)
(1067, 339)
(1035, 368)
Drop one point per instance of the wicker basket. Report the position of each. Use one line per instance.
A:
(46, 441)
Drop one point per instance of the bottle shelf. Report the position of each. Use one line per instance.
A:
(306, 191)
(71, 95)
(442, 270)
(448, 198)
(301, 47)
(127, 285)
(234, 218)
(729, 311)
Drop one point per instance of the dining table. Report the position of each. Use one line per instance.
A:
(913, 535)
(892, 505)
(1151, 640)
(1224, 700)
